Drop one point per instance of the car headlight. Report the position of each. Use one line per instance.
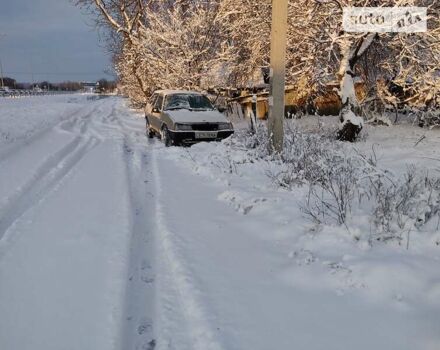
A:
(183, 127)
(225, 126)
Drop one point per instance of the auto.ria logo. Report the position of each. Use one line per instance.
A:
(385, 19)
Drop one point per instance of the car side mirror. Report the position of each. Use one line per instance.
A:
(221, 109)
(155, 110)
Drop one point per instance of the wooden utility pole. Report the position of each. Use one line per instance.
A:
(278, 42)
(1, 74)
(1, 68)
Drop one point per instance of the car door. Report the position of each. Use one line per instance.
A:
(150, 103)
(149, 108)
(153, 111)
(156, 113)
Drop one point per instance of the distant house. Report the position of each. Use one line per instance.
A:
(90, 87)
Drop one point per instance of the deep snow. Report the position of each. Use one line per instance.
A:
(109, 240)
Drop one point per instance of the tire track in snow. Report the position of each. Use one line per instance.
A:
(53, 169)
(129, 126)
(19, 145)
(81, 124)
(201, 335)
(138, 325)
(49, 175)
(137, 328)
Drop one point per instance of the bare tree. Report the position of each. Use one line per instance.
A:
(163, 43)
(323, 51)
(247, 23)
(184, 45)
(189, 43)
(123, 17)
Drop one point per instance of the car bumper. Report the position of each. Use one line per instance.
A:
(189, 137)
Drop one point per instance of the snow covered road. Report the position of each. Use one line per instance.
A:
(108, 241)
(70, 233)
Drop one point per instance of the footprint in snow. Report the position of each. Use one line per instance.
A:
(144, 327)
(150, 345)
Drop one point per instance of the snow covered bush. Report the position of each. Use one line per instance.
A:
(315, 160)
(341, 182)
(304, 157)
(406, 205)
(429, 118)
(332, 197)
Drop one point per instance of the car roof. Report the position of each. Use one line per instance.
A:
(173, 92)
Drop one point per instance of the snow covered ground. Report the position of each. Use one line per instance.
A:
(109, 240)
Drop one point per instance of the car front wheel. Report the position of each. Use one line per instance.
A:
(165, 136)
(148, 130)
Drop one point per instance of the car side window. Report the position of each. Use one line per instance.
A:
(158, 103)
(152, 99)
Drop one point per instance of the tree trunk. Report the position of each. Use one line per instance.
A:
(351, 122)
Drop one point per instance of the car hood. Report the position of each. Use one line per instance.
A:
(186, 116)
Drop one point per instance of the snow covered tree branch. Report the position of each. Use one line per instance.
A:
(194, 44)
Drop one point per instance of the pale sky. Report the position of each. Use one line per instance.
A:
(49, 40)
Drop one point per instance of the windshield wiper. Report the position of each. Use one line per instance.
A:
(176, 107)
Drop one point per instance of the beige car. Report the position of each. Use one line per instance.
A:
(185, 117)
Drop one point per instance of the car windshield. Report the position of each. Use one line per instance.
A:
(187, 101)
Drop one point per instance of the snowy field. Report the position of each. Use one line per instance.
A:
(109, 240)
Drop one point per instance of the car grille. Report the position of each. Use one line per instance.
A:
(205, 127)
